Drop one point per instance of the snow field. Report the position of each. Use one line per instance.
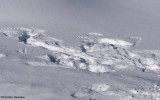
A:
(97, 55)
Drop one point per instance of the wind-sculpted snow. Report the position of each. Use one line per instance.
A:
(114, 42)
(133, 74)
(95, 54)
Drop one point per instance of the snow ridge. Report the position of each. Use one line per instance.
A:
(97, 55)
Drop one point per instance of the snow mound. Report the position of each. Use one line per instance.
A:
(115, 42)
(90, 90)
(95, 54)
(2, 55)
(99, 87)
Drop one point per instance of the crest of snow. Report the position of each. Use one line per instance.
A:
(2, 55)
(115, 42)
(133, 91)
(34, 42)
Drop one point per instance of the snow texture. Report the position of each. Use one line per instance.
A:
(97, 55)
(2, 55)
(116, 55)
(94, 55)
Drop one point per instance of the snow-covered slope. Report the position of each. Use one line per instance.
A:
(108, 57)
(95, 54)
(80, 49)
(66, 19)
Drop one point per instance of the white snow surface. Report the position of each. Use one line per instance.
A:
(2, 55)
(116, 55)
(111, 62)
(115, 42)
(97, 55)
